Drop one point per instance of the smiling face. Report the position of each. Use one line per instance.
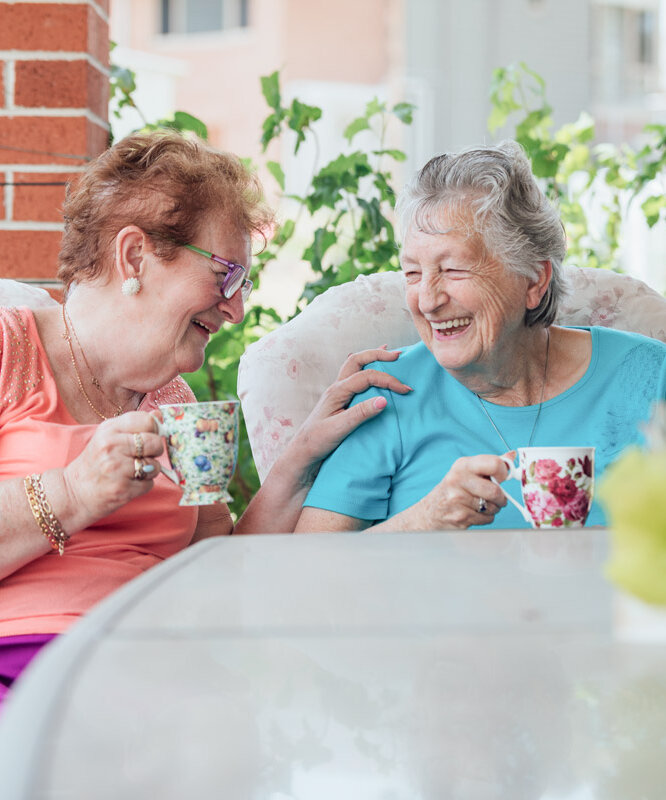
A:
(468, 308)
(186, 300)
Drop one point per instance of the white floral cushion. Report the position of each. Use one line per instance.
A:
(283, 374)
(15, 293)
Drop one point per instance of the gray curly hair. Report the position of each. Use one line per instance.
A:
(493, 193)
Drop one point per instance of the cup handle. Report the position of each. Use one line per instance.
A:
(513, 473)
(170, 474)
(166, 471)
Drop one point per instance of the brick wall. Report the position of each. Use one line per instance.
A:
(54, 89)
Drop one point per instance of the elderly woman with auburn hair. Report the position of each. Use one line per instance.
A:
(79, 468)
(482, 258)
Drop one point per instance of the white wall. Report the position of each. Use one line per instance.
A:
(453, 46)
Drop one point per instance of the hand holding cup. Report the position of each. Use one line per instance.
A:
(557, 485)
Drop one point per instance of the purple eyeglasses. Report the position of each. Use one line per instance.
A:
(234, 279)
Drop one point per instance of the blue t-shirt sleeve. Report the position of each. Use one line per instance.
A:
(356, 478)
(661, 389)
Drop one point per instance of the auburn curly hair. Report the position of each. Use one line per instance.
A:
(167, 184)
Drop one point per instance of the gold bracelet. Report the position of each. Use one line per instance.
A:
(41, 509)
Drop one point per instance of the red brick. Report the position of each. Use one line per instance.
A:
(53, 27)
(98, 139)
(39, 203)
(29, 254)
(2, 84)
(98, 37)
(68, 135)
(3, 178)
(61, 84)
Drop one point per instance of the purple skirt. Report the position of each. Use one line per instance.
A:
(16, 652)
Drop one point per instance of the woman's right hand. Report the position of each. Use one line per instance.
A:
(465, 496)
(102, 478)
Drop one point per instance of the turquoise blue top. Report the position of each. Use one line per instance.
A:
(393, 460)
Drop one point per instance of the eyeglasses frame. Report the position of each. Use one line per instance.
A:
(230, 277)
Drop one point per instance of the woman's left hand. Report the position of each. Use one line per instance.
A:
(331, 419)
(278, 504)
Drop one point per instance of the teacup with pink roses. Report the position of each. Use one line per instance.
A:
(557, 485)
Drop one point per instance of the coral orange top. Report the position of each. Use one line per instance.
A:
(37, 433)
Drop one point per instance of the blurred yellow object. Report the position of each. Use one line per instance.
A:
(633, 493)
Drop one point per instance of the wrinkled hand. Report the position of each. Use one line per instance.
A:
(331, 419)
(466, 488)
(101, 479)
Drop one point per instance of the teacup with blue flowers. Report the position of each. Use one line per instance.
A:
(202, 444)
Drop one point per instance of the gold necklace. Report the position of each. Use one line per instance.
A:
(538, 414)
(94, 381)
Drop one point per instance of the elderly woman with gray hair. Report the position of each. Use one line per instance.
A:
(482, 258)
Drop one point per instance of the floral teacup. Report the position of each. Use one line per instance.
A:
(202, 444)
(557, 485)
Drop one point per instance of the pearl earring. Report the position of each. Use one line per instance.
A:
(130, 287)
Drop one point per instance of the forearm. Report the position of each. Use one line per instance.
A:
(21, 539)
(408, 520)
(418, 517)
(319, 520)
(277, 505)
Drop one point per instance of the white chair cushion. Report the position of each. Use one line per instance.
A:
(15, 293)
(283, 374)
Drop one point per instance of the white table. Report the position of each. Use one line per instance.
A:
(475, 665)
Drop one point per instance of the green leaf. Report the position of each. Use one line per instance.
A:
(277, 172)
(270, 88)
(404, 112)
(372, 216)
(374, 107)
(187, 122)
(123, 78)
(271, 128)
(323, 239)
(181, 121)
(652, 208)
(386, 191)
(546, 160)
(300, 117)
(356, 126)
(284, 233)
(396, 155)
(340, 175)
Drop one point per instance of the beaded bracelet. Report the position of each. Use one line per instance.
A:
(43, 513)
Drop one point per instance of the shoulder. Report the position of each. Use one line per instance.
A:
(630, 362)
(618, 343)
(17, 331)
(15, 320)
(20, 367)
(413, 360)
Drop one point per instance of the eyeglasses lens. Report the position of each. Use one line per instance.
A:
(233, 282)
(246, 290)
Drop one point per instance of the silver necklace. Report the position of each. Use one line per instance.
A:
(538, 414)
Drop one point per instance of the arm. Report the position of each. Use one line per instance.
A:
(21, 541)
(213, 521)
(277, 505)
(453, 503)
(97, 482)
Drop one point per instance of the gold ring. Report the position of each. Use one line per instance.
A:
(138, 445)
(139, 472)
